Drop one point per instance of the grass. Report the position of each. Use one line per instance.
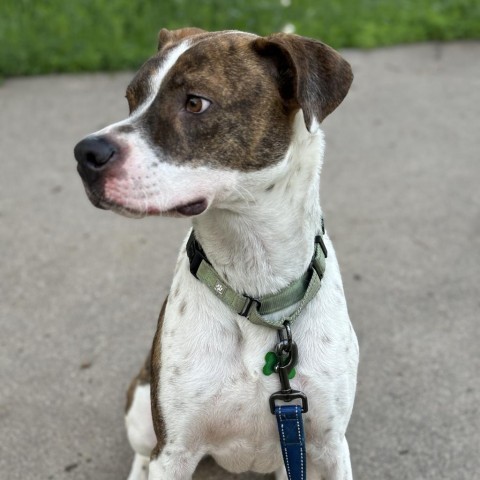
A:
(88, 35)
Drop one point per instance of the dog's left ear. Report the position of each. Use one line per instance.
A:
(311, 75)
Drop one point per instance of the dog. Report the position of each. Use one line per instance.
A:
(224, 127)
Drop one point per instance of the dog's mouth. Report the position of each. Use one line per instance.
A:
(190, 209)
(193, 208)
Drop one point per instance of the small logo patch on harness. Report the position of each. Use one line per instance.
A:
(219, 288)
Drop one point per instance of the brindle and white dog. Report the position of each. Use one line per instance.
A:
(224, 127)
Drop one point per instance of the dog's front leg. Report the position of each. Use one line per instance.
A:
(335, 462)
(174, 464)
(313, 471)
(139, 470)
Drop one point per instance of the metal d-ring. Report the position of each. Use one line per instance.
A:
(285, 341)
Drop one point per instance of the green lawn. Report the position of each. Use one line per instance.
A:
(77, 35)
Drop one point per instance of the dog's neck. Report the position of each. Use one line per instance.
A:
(265, 241)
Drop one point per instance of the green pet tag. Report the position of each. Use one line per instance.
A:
(271, 361)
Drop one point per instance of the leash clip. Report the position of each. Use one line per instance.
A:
(287, 352)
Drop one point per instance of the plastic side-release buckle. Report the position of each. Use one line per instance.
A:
(249, 304)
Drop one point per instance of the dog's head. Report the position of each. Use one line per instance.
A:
(206, 109)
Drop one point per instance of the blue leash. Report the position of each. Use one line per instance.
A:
(292, 440)
(289, 417)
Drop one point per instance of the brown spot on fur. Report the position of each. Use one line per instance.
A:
(176, 292)
(126, 128)
(183, 307)
(158, 422)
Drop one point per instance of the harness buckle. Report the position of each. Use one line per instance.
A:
(319, 240)
(195, 262)
(247, 308)
(195, 255)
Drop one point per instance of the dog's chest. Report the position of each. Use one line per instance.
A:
(206, 350)
(213, 390)
(212, 386)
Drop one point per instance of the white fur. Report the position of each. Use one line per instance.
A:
(213, 394)
(138, 422)
(258, 241)
(214, 397)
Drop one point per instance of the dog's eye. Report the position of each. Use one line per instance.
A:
(197, 104)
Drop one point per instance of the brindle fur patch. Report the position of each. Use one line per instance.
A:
(264, 82)
(168, 38)
(235, 132)
(158, 421)
(143, 378)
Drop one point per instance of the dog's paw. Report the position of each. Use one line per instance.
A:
(139, 470)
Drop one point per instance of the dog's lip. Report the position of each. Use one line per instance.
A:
(185, 210)
(190, 209)
(96, 200)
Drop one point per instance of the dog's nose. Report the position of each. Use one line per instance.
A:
(94, 153)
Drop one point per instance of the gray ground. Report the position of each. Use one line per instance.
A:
(81, 288)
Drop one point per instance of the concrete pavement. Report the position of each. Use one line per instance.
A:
(80, 288)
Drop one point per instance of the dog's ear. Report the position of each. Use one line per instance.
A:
(166, 37)
(311, 75)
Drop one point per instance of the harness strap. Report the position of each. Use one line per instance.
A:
(300, 291)
(292, 440)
